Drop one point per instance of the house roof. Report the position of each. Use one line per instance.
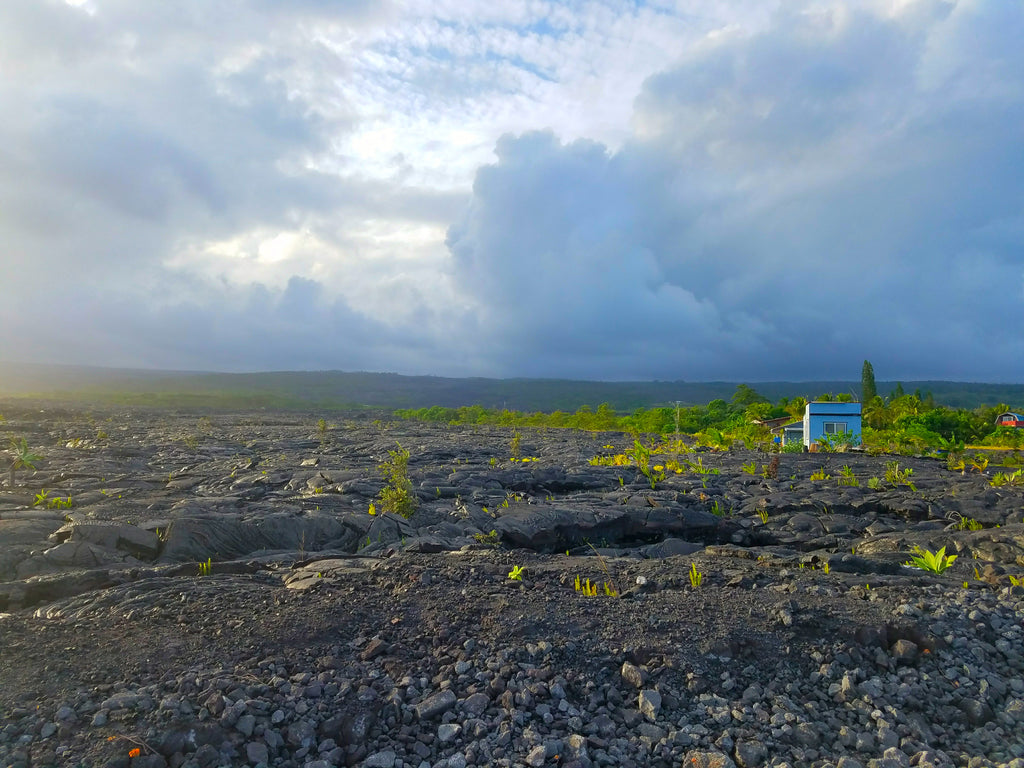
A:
(772, 423)
(791, 425)
(831, 408)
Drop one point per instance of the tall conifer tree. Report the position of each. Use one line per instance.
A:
(868, 390)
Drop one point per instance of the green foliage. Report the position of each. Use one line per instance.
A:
(641, 457)
(897, 477)
(820, 475)
(588, 589)
(846, 477)
(868, 389)
(516, 445)
(397, 496)
(934, 562)
(968, 524)
(700, 468)
(516, 574)
(696, 577)
(21, 457)
(488, 539)
(716, 439)
(749, 468)
(903, 424)
(837, 443)
(874, 483)
(205, 569)
(1007, 478)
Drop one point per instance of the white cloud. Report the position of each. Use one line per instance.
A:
(256, 184)
(794, 200)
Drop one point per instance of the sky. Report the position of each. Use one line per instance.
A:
(598, 189)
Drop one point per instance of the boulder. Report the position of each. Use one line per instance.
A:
(195, 539)
(138, 542)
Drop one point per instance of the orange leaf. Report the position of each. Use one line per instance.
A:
(134, 752)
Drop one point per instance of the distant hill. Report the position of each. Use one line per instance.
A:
(337, 389)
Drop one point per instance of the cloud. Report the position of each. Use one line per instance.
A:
(599, 188)
(792, 202)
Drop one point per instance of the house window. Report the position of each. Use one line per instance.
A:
(834, 427)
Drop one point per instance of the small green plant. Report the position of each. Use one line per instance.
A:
(191, 442)
(820, 475)
(588, 589)
(763, 514)
(1014, 460)
(516, 574)
(1000, 479)
(205, 569)
(641, 457)
(874, 483)
(897, 477)
(749, 468)
(397, 496)
(372, 510)
(968, 524)
(718, 509)
(40, 498)
(979, 463)
(696, 577)
(58, 503)
(826, 568)
(846, 477)
(321, 430)
(21, 457)
(516, 444)
(1016, 581)
(934, 562)
(488, 539)
(699, 467)
(493, 462)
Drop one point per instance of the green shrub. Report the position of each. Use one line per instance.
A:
(934, 562)
(396, 496)
(21, 457)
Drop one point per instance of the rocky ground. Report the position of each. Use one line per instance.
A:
(217, 594)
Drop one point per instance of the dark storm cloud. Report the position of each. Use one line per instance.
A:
(838, 184)
(828, 190)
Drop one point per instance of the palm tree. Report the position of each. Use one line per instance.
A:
(22, 457)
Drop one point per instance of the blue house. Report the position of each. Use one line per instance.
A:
(824, 419)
